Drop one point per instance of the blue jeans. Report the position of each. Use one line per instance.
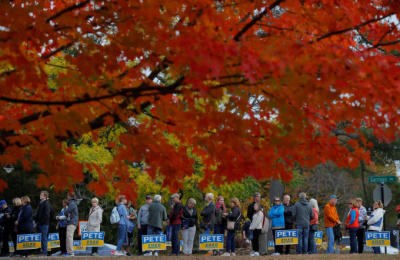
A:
(151, 230)
(44, 230)
(377, 249)
(331, 243)
(230, 241)
(175, 239)
(302, 247)
(219, 230)
(312, 247)
(121, 236)
(353, 239)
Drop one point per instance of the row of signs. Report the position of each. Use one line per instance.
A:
(159, 242)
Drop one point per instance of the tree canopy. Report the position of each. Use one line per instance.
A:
(244, 88)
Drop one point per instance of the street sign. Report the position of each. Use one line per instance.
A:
(380, 179)
(385, 191)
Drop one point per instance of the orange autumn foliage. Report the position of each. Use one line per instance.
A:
(251, 87)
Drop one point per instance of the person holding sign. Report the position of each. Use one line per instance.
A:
(233, 224)
(278, 222)
(312, 247)
(256, 226)
(94, 221)
(72, 222)
(189, 230)
(352, 224)
(62, 228)
(24, 222)
(375, 221)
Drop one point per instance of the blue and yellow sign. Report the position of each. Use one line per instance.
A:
(53, 241)
(208, 242)
(78, 246)
(169, 243)
(92, 239)
(11, 246)
(30, 241)
(286, 237)
(271, 245)
(318, 237)
(154, 242)
(378, 238)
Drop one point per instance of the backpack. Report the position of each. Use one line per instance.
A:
(114, 217)
(265, 226)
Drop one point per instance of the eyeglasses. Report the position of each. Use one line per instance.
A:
(350, 203)
(276, 200)
(148, 198)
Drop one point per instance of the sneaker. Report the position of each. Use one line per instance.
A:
(66, 255)
(226, 254)
(129, 254)
(155, 253)
(148, 254)
(118, 253)
(256, 254)
(233, 254)
(94, 254)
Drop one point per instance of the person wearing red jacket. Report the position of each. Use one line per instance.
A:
(352, 224)
(398, 215)
(175, 221)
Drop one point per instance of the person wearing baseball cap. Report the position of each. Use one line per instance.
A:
(331, 220)
(4, 215)
(175, 221)
(142, 219)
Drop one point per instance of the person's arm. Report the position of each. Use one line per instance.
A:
(207, 211)
(25, 215)
(100, 216)
(294, 213)
(175, 213)
(331, 216)
(377, 216)
(250, 211)
(311, 213)
(165, 214)
(46, 210)
(138, 218)
(353, 215)
(70, 208)
(288, 211)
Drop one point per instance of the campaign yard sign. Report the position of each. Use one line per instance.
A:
(271, 245)
(154, 242)
(378, 238)
(169, 243)
(209, 242)
(53, 241)
(78, 246)
(318, 237)
(82, 227)
(11, 246)
(286, 237)
(30, 241)
(92, 239)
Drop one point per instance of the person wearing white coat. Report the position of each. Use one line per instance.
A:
(256, 226)
(375, 221)
(94, 221)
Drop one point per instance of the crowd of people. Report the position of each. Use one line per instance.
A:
(215, 219)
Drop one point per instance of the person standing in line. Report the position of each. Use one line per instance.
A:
(220, 219)
(129, 235)
(208, 214)
(375, 221)
(331, 219)
(278, 222)
(233, 216)
(5, 212)
(157, 214)
(62, 228)
(12, 217)
(42, 220)
(175, 221)
(189, 231)
(72, 222)
(288, 213)
(352, 224)
(123, 223)
(94, 221)
(361, 230)
(256, 226)
(142, 219)
(302, 214)
(24, 222)
(250, 208)
(312, 247)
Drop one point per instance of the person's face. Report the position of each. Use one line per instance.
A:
(23, 202)
(232, 204)
(277, 201)
(175, 199)
(128, 204)
(376, 205)
(221, 202)
(334, 201)
(148, 200)
(42, 197)
(286, 199)
(65, 204)
(350, 204)
(191, 205)
(4, 206)
(94, 203)
(258, 198)
(208, 199)
(256, 207)
(359, 203)
(124, 201)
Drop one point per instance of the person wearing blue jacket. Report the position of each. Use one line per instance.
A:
(278, 221)
(72, 222)
(24, 222)
(123, 223)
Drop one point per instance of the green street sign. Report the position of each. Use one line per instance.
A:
(379, 179)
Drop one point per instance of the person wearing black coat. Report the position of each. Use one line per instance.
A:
(233, 216)
(250, 208)
(4, 213)
(189, 219)
(288, 214)
(42, 219)
(24, 222)
(208, 214)
(12, 218)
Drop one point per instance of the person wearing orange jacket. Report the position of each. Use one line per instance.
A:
(331, 220)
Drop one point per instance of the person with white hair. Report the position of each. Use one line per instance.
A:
(94, 221)
(312, 247)
(208, 214)
(157, 214)
(302, 213)
(189, 226)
